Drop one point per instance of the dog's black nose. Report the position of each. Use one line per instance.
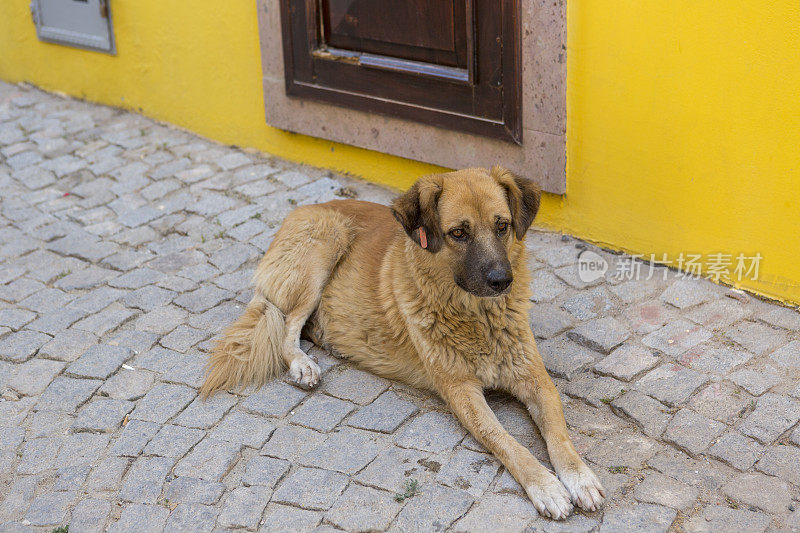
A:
(499, 279)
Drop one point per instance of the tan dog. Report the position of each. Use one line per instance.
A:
(439, 301)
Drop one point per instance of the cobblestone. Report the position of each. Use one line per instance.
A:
(113, 295)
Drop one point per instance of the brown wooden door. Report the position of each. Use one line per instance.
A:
(449, 63)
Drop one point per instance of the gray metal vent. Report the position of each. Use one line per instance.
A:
(81, 23)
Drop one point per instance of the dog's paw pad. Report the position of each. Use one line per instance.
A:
(585, 489)
(304, 372)
(550, 499)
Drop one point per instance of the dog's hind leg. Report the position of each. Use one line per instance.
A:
(289, 282)
(294, 273)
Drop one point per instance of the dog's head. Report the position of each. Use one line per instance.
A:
(470, 219)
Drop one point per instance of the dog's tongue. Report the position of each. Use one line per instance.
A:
(423, 239)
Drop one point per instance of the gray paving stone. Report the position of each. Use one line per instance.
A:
(190, 518)
(182, 338)
(81, 449)
(85, 279)
(649, 414)
(588, 304)
(671, 384)
(148, 298)
(677, 337)
(67, 394)
(385, 414)
(163, 402)
(68, 345)
(145, 478)
(601, 334)
(772, 416)
(90, 515)
(71, 477)
(722, 518)
(243, 506)
(685, 293)
(203, 413)
(32, 377)
(280, 518)
(99, 361)
(719, 360)
(347, 450)
(623, 449)
(102, 415)
(106, 320)
(39, 455)
(354, 385)
(642, 517)
(15, 318)
(626, 362)
(243, 428)
(431, 431)
(162, 320)
(189, 369)
(290, 442)
(595, 390)
(127, 384)
(469, 471)
(321, 412)
(209, 460)
(788, 356)
(736, 450)
(545, 286)
(107, 475)
(137, 278)
(721, 401)
(755, 337)
(497, 512)
(193, 490)
(692, 432)
(49, 509)
(134, 438)
(363, 509)
(782, 461)
(265, 471)
(203, 298)
(755, 381)
(22, 345)
(718, 314)
(18, 498)
(564, 358)
(137, 517)
(781, 317)
(157, 359)
(310, 488)
(436, 511)
(768, 493)
(663, 490)
(47, 300)
(173, 441)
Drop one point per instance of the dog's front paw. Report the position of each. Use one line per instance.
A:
(550, 498)
(304, 372)
(586, 490)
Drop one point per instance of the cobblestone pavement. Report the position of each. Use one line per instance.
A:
(126, 245)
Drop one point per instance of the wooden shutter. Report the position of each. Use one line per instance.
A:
(449, 63)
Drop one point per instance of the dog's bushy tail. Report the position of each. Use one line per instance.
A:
(250, 350)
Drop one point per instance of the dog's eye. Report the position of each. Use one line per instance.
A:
(502, 227)
(458, 234)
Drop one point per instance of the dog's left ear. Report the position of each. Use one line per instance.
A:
(418, 212)
(523, 199)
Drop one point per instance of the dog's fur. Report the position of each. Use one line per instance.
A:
(439, 317)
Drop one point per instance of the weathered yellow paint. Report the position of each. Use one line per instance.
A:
(683, 116)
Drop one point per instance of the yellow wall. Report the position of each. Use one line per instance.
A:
(683, 116)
